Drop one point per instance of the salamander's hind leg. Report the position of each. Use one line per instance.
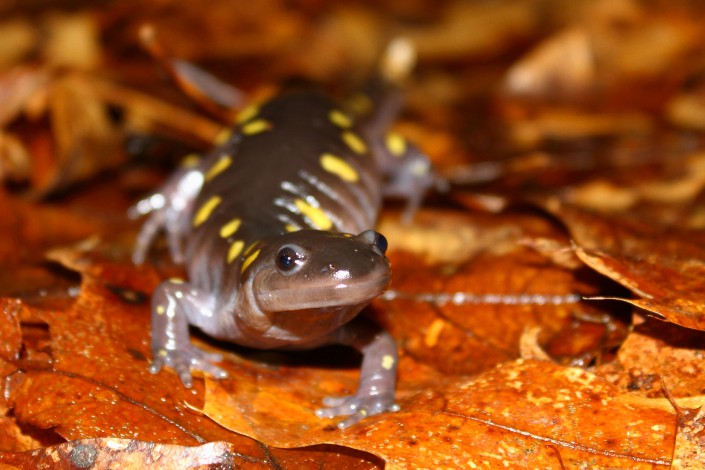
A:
(407, 170)
(169, 209)
(375, 393)
(175, 305)
(409, 173)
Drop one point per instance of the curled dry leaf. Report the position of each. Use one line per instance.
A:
(663, 266)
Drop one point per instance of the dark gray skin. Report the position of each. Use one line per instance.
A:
(278, 281)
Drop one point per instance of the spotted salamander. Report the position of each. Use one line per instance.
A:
(275, 227)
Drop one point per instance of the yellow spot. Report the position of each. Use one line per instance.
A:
(387, 362)
(223, 136)
(218, 167)
(318, 218)
(235, 250)
(249, 260)
(176, 280)
(251, 247)
(162, 352)
(360, 104)
(396, 144)
(339, 167)
(433, 332)
(230, 228)
(247, 114)
(190, 160)
(292, 228)
(160, 310)
(255, 127)
(339, 118)
(354, 142)
(206, 210)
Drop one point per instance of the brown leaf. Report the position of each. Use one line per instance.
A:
(499, 417)
(663, 266)
(657, 357)
(480, 288)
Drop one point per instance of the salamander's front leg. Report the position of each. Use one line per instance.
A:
(175, 305)
(375, 393)
(168, 209)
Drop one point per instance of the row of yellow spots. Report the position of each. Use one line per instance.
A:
(248, 124)
(248, 127)
(227, 231)
(236, 247)
(351, 139)
(334, 164)
(361, 104)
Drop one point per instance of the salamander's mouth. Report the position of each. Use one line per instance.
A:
(309, 294)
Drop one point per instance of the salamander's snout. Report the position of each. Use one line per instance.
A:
(374, 239)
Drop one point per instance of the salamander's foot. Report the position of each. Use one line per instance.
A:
(182, 360)
(356, 407)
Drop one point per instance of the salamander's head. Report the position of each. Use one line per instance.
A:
(311, 269)
(309, 282)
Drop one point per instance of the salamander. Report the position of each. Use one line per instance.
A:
(275, 227)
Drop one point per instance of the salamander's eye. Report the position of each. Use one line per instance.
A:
(381, 242)
(374, 239)
(288, 259)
